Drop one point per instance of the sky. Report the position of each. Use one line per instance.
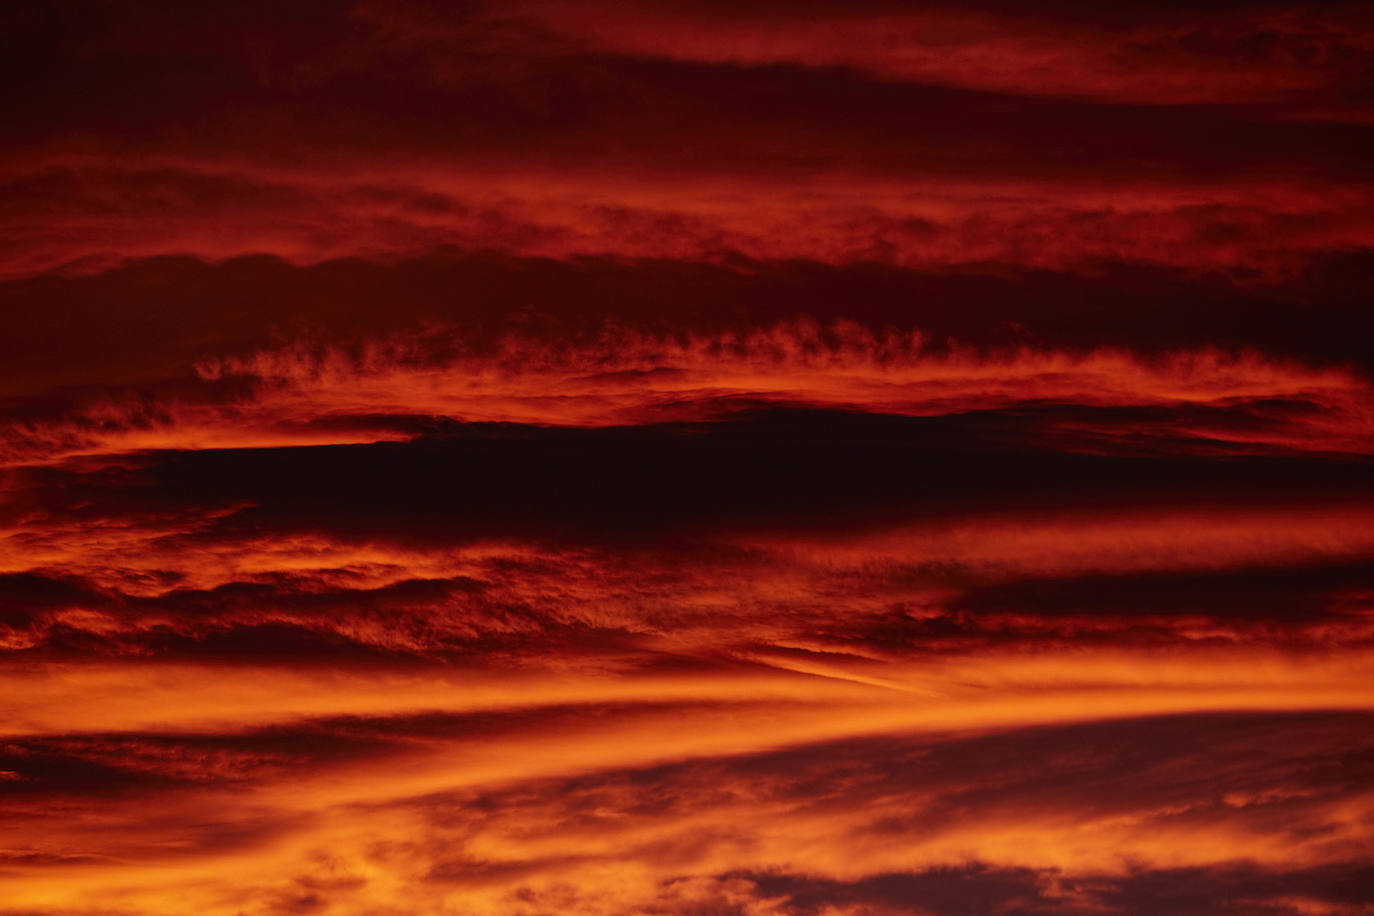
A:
(687, 458)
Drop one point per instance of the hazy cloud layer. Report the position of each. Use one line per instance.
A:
(823, 459)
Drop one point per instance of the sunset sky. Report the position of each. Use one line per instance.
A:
(686, 458)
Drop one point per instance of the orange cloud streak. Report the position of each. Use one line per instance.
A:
(310, 396)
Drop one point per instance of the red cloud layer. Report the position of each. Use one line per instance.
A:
(307, 395)
(553, 458)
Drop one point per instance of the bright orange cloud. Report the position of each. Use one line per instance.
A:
(825, 459)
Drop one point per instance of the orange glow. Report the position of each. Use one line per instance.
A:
(767, 459)
(302, 396)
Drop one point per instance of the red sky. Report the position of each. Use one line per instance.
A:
(686, 457)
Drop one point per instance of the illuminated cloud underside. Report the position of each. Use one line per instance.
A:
(556, 458)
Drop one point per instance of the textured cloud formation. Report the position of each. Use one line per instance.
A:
(83, 216)
(401, 387)
(824, 459)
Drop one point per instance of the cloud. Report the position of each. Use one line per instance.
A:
(1115, 816)
(1235, 140)
(252, 304)
(91, 215)
(1144, 53)
(431, 383)
(803, 460)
